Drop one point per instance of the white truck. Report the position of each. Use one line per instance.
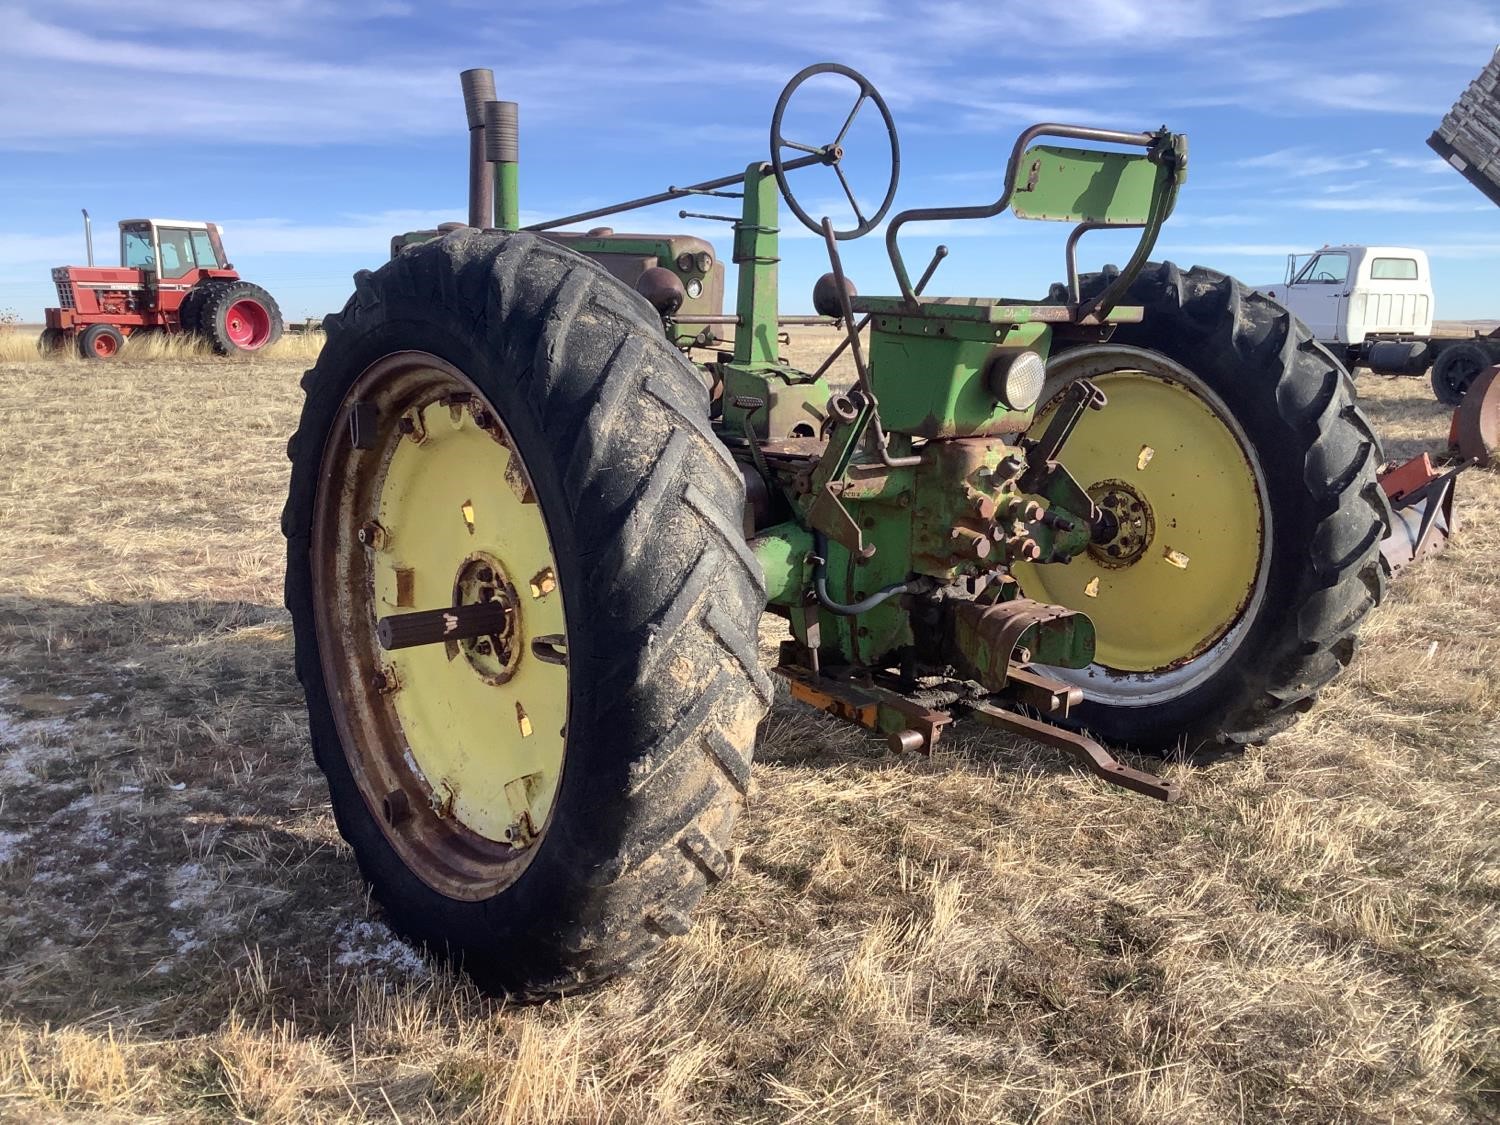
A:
(1373, 304)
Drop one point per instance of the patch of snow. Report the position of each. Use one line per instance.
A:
(186, 941)
(372, 947)
(192, 885)
(9, 842)
(22, 750)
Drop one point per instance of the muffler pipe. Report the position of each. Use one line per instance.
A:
(479, 88)
(502, 149)
(88, 234)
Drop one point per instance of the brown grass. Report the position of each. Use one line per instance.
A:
(1312, 935)
(18, 345)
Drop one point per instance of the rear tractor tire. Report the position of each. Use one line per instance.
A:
(496, 418)
(100, 341)
(239, 317)
(1243, 476)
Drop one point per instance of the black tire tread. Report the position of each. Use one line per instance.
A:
(216, 302)
(674, 586)
(1340, 576)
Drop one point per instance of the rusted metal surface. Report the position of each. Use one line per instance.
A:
(988, 638)
(1042, 693)
(461, 863)
(1475, 435)
(870, 705)
(479, 88)
(1082, 749)
(1422, 510)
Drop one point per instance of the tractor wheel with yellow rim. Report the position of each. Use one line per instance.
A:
(524, 612)
(1239, 544)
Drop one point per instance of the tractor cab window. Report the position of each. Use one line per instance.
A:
(1324, 269)
(136, 251)
(176, 251)
(203, 250)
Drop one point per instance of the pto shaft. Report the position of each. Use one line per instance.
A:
(431, 626)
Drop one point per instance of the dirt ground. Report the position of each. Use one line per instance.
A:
(1312, 935)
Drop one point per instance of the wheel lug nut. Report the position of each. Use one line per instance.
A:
(373, 536)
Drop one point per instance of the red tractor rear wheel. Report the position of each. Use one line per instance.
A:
(241, 317)
(101, 341)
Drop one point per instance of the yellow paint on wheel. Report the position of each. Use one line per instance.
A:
(443, 502)
(1156, 610)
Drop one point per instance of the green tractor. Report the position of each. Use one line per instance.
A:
(538, 508)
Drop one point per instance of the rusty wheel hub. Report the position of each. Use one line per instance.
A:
(1126, 525)
(481, 579)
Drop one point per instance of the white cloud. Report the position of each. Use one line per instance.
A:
(1392, 204)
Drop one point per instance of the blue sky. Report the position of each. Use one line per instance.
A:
(313, 130)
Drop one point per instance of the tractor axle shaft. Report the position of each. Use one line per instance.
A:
(434, 626)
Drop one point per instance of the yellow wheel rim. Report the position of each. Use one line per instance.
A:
(1187, 557)
(458, 747)
(487, 743)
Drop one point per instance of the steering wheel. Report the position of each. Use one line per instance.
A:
(832, 154)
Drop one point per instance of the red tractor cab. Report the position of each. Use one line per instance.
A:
(173, 277)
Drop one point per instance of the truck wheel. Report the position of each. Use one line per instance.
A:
(1455, 369)
(1247, 549)
(240, 317)
(100, 341)
(494, 417)
(50, 342)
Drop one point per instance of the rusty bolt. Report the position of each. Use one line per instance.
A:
(1028, 550)
(907, 741)
(372, 535)
(396, 806)
(985, 506)
(971, 544)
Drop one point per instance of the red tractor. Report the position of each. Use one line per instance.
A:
(173, 277)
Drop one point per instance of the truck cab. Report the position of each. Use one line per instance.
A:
(1347, 294)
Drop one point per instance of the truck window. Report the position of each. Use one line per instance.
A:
(135, 250)
(1393, 269)
(203, 250)
(176, 251)
(1324, 269)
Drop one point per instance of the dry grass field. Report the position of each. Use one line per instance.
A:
(1312, 935)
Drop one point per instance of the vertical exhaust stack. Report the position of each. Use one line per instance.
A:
(502, 149)
(88, 234)
(479, 88)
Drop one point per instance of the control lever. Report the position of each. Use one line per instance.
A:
(1044, 474)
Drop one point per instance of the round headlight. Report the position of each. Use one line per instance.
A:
(694, 287)
(1017, 381)
(704, 261)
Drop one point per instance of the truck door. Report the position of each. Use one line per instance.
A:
(1319, 294)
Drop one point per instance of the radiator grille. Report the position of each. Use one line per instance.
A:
(64, 282)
